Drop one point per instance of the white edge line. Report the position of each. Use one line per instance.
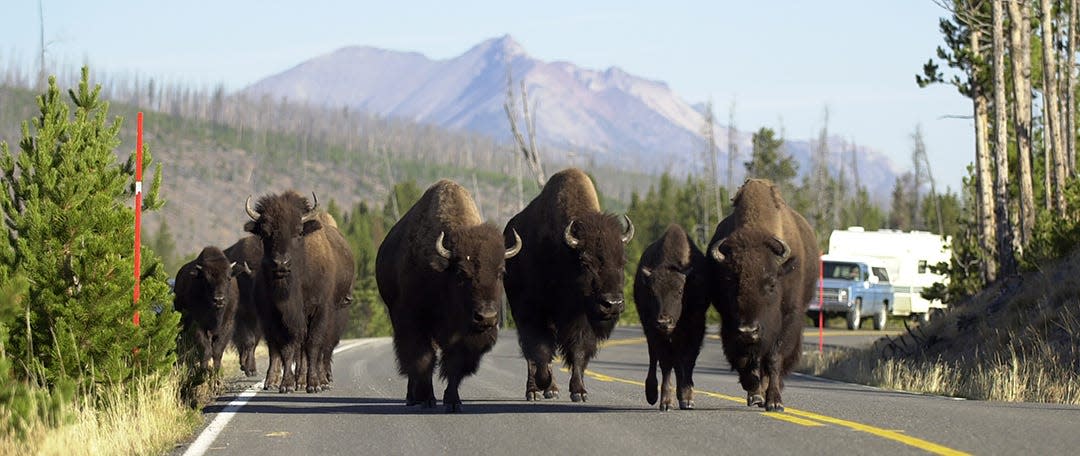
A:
(208, 435)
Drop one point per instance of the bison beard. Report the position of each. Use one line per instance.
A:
(763, 261)
(565, 289)
(671, 304)
(439, 271)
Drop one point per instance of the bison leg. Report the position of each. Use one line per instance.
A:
(666, 402)
(416, 359)
(290, 357)
(750, 379)
(273, 370)
(650, 377)
(771, 369)
(578, 362)
(537, 346)
(220, 342)
(202, 340)
(684, 376)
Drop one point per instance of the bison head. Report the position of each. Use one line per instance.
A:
(211, 280)
(598, 240)
(280, 221)
(658, 293)
(750, 268)
(475, 259)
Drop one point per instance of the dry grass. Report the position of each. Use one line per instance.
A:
(146, 419)
(1017, 341)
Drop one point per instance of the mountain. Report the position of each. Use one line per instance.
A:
(608, 116)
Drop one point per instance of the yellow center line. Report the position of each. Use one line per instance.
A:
(800, 417)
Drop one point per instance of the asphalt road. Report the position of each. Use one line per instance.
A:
(364, 414)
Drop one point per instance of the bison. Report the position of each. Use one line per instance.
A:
(671, 303)
(206, 295)
(247, 253)
(305, 271)
(764, 267)
(440, 273)
(566, 288)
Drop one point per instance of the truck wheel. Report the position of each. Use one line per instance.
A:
(880, 319)
(854, 316)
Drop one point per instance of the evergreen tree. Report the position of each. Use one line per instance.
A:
(401, 198)
(900, 208)
(768, 161)
(66, 206)
(164, 246)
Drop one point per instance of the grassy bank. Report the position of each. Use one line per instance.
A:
(1016, 341)
(147, 418)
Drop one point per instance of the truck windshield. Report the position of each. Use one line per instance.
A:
(845, 271)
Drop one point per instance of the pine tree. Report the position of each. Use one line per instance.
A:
(66, 206)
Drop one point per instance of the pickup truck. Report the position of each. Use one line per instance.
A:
(855, 288)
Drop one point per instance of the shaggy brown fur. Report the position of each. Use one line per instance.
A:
(565, 297)
(306, 271)
(247, 253)
(447, 303)
(671, 303)
(206, 295)
(764, 264)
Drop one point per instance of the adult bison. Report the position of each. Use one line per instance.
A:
(566, 288)
(247, 253)
(440, 271)
(305, 271)
(671, 302)
(764, 267)
(206, 296)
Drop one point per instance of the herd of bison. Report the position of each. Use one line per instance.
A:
(442, 271)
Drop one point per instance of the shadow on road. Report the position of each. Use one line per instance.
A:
(308, 404)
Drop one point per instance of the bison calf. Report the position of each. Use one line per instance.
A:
(672, 306)
(206, 295)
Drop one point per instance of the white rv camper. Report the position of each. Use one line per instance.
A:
(908, 257)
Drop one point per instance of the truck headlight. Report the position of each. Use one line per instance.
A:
(841, 296)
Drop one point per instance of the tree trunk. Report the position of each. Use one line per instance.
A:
(1069, 131)
(1020, 41)
(1053, 118)
(1006, 257)
(983, 174)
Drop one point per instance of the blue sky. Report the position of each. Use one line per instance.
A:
(782, 61)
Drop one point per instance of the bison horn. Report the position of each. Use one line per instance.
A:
(251, 212)
(314, 212)
(785, 250)
(440, 248)
(714, 251)
(515, 249)
(571, 241)
(629, 233)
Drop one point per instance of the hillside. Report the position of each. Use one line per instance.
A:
(609, 116)
(210, 168)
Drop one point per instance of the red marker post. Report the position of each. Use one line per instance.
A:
(138, 211)
(821, 306)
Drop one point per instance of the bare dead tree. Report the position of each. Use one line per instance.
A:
(922, 166)
(528, 147)
(709, 157)
(733, 149)
(1020, 52)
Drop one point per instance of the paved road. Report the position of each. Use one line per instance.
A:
(365, 414)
